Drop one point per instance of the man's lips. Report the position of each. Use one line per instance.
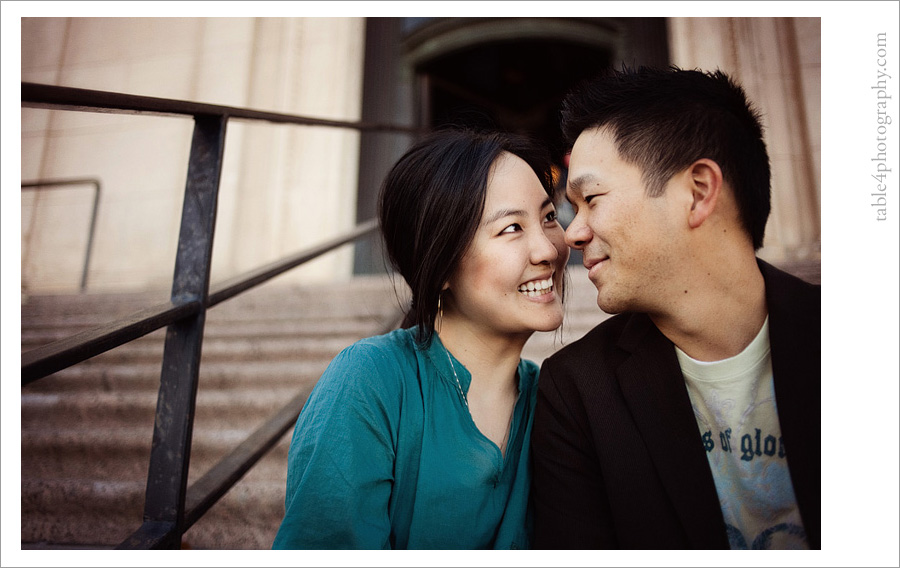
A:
(594, 264)
(591, 262)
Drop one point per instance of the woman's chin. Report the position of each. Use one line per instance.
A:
(550, 325)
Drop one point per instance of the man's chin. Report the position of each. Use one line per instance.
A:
(610, 306)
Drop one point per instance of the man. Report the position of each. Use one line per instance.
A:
(692, 418)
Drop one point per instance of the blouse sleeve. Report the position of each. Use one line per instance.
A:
(341, 458)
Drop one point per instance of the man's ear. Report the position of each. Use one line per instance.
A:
(705, 178)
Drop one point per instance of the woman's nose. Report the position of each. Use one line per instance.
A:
(544, 250)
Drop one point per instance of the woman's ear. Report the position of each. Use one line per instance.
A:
(705, 177)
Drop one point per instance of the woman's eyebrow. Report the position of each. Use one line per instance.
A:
(497, 215)
(500, 214)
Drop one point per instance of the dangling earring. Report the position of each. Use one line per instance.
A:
(440, 313)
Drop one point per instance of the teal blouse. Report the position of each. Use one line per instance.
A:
(385, 455)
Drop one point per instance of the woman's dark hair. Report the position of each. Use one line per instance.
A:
(663, 120)
(431, 204)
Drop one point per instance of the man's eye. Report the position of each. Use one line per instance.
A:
(515, 227)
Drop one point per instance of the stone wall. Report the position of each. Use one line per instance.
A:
(283, 189)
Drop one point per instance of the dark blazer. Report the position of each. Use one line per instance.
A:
(618, 457)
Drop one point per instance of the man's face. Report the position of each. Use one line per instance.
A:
(629, 241)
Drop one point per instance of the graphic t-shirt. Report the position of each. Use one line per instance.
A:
(734, 402)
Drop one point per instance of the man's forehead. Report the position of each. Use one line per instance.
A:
(595, 135)
(586, 148)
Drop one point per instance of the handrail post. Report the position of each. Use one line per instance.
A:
(92, 228)
(173, 428)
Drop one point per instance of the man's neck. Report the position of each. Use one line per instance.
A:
(721, 313)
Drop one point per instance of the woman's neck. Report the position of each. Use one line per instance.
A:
(491, 358)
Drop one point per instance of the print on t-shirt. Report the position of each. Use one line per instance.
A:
(734, 403)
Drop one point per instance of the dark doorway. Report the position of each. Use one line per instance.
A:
(514, 86)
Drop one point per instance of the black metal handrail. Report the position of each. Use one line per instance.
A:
(170, 507)
(61, 354)
(50, 183)
(35, 95)
(50, 358)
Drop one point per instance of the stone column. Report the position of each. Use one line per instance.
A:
(297, 184)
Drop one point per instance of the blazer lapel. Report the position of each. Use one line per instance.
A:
(653, 387)
(795, 328)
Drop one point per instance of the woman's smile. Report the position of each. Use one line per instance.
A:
(539, 289)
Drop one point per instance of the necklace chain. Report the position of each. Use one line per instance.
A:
(458, 385)
(465, 399)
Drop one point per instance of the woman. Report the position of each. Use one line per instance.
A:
(420, 438)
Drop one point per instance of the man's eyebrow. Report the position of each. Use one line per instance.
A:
(497, 215)
(577, 184)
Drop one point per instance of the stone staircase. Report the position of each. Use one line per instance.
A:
(86, 431)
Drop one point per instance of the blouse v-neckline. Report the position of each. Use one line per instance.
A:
(451, 370)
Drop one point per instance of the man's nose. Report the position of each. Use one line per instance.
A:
(578, 234)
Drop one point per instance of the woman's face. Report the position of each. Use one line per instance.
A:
(509, 281)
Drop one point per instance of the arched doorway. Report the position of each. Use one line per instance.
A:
(508, 74)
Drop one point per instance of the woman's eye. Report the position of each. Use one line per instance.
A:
(515, 227)
(551, 216)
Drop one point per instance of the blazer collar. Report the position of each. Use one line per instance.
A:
(795, 333)
(794, 327)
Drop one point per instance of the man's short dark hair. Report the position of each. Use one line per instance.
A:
(663, 120)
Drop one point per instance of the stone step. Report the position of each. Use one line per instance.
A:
(123, 453)
(135, 376)
(239, 349)
(99, 410)
(101, 514)
(40, 333)
(91, 493)
(330, 315)
(362, 296)
(273, 346)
